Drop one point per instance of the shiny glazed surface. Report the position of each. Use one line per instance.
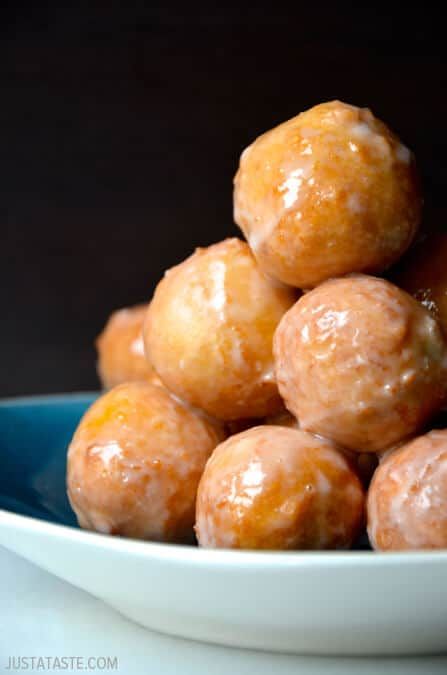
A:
(329, 192)
(135, 462)
(361, 362)
(210, 329)
(407, 499)
(363, 463)
(120, 348)
(274, 487)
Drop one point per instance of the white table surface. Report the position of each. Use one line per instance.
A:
(43, 616)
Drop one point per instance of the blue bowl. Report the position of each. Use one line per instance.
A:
(34, 436)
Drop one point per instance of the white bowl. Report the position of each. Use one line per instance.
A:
(317, 603)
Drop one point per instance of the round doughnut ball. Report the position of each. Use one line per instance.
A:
(330, 192)
(424, 274)
(120, 348)
(210, 330)
(274, 487)
(361, 362)
(135, 462)
(407, 499)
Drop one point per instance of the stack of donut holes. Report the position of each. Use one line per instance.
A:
(276, 392)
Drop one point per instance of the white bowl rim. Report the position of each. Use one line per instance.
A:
(194, 555)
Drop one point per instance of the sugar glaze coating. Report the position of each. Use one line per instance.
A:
(327, 193)
(210, 331)
(407, 499)
(274, 487)
(361, 362)
(135, 462)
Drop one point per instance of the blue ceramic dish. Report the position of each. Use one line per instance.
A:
(34, 435)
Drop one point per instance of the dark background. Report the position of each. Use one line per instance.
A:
(120, 132)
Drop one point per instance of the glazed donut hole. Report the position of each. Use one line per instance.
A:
(327, 193)
(135, 462)
(278, 488)
(210, 329)
(120, 349)
(360, 362)
(407, 499)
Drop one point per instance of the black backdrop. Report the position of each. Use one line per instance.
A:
(120, 131)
